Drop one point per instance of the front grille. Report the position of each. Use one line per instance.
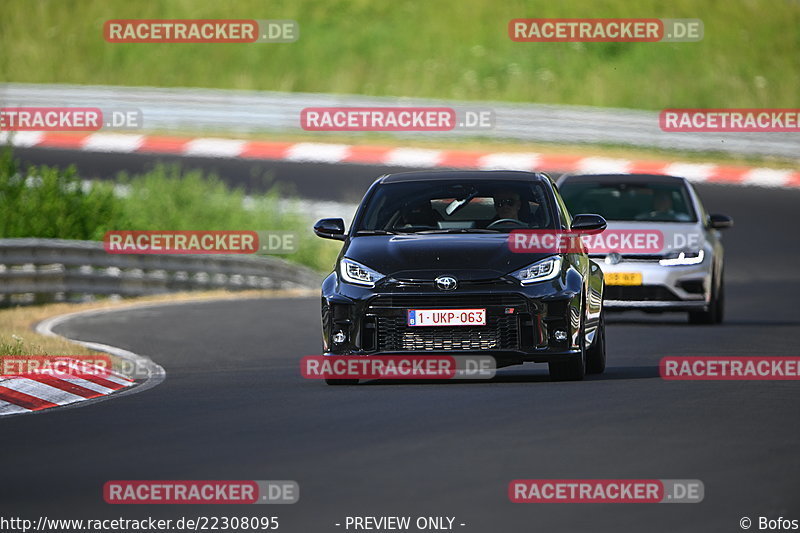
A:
(444, 300)
(499, 333)
(393, 334)
(639, 293)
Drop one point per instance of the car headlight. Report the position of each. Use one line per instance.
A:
(539, 271)
(683, 258)
(358, 274)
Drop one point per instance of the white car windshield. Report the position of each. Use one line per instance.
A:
(640, 201)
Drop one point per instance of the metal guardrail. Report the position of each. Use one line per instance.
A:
(212, 110)
(47, 270)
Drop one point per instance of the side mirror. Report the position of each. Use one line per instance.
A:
(330, 228)
(594, 223)
(720, 221)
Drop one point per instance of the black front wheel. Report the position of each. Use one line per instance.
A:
(715, 313)
(596, 355)
(573, 369)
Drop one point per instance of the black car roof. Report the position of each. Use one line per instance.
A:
(463, 175)
(620, 178)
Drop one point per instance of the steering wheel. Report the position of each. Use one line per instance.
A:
(506, 221)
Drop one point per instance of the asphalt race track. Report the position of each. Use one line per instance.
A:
(234, 406)
(315, 181)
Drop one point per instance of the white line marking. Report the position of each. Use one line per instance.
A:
(318, 152)
(603, 165)
(213, 147)
(21, 138)
(11, 409)
(509, 161)
(113, 142)
(90, 385)
(42, 391)
(413, 157)
(114, 379)
(691, 171)
(767, 177)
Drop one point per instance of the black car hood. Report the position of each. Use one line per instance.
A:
(424, 257)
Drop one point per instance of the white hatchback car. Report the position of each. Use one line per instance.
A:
(661, 250)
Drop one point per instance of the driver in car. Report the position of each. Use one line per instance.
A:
(664, 209)
(512, 212)
(506, 205)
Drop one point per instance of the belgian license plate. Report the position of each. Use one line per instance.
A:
(623, 278)
(447, 317)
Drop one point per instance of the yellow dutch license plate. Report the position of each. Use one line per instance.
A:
(623, 278)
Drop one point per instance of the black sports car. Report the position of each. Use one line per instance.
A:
(424, 242)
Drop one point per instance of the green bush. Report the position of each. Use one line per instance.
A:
(171, 198)
(51, 203)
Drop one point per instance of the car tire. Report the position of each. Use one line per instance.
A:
(716, 308)
(596, 355)
(340, 382)
(573, 369)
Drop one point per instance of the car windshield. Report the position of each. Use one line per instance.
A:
(441, 206)
(640, 201)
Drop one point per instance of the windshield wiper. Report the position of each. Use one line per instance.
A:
(376, 232)
(461, 230)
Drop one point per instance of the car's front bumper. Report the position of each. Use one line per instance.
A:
(524, 323)
(663, 288)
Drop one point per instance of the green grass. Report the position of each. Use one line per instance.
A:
(442, 48)
(14, 345)
(49, 203)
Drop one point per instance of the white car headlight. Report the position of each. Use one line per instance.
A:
(543, 270)
(358, 274)
(683, 258)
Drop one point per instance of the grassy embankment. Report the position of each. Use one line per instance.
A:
(48, 203)
(455, 49)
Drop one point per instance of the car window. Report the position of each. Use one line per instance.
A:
(655, 202)
(452, 205)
